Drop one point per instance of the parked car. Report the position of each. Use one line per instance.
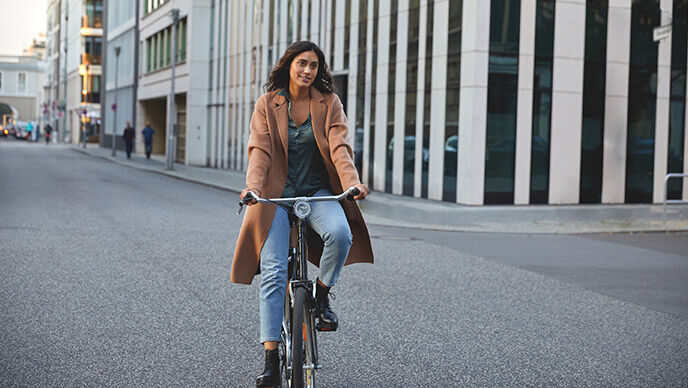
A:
(20, 131)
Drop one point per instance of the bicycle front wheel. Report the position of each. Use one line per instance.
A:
(303, 365)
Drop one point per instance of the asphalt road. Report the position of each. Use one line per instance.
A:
(115, 277)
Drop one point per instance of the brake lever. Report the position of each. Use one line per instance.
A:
(241, 207)
(249, 197)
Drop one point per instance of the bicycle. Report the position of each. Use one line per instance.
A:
(299, 344)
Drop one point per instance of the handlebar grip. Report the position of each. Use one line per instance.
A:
(354, 192)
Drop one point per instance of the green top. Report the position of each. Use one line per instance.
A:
(306, 172)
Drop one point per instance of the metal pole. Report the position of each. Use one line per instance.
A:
(64, 78)
(171, 120)
(114, 112)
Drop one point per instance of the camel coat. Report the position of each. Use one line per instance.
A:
(267, 175)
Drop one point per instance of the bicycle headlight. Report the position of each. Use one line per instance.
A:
(302, 209)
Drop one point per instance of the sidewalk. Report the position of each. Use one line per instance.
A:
(392, 210)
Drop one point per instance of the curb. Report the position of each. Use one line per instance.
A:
(386, 222)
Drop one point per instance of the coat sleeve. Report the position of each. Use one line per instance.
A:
(340, 146)
(259, 149)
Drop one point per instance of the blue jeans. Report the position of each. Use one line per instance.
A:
(328, 220)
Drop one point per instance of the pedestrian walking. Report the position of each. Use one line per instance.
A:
(48, 130)
(148, 139)
(128, 137)
(29, 129)
(299, 119)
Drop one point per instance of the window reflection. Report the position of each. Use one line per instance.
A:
(678, 98)
(542, 102)
(642, 102)
(593, 101)
(501, 101)
(451, 129)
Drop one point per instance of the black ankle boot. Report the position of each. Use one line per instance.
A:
(327, 319)
(271, 373)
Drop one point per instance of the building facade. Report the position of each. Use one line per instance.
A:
(157, 34)
(21, 83)
(80, 67)
(497, 101)
(120, 72)
(54, 95)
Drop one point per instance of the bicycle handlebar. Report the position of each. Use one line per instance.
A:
(349, 194)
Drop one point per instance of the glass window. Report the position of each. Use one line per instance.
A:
(451, 144)
(373, 92)
(677, 106)
(167, 38)
(149, 57)
(93, 46)
(593, 101)
(90, 89)
(21, 83)
(642, 98)
(542, 101)
(347, 31)
(390, 96)
(427, 100)
(501, 101)
(0, 80)
(182, 40)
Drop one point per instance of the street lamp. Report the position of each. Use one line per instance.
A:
(174, 14)
(114, 110)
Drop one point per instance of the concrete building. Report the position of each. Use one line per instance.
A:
(156, 32)
(21, 83)
(121, 32)
(80, 70)
(497, 101)
(54, 93)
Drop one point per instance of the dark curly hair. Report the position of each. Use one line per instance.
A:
(279, 77)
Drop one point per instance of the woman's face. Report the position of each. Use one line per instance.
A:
(304, 69)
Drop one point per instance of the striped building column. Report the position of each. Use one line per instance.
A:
(662, 110)
(438, 98)
(475, 51)
(339, 30)
(381, 96)
(616, 101)
(524, 103)
(316, 23)
(212, 122)
(283, 14)
(353, 72)
(400, 97)
(567, 102)
(367, 96)
(304, 20)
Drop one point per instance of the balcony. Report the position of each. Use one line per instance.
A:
(92, 22)
(92, 26)
(91, 59)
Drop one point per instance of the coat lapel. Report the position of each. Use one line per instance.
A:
(318, 114)
(282, 116)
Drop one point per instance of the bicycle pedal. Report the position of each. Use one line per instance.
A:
(320, 327)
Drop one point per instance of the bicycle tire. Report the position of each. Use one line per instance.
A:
(297, 343)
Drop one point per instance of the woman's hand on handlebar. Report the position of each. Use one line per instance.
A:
(245, 199)
(362, 191)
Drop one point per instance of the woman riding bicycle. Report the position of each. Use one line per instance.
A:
(298, 147)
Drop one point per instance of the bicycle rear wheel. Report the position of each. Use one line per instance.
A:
(303, 365)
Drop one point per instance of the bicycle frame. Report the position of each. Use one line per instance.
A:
(298, 209)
